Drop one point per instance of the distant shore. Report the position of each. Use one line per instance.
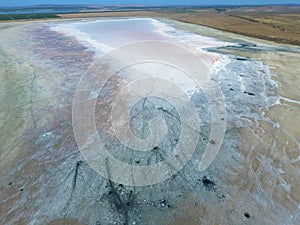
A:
(274, 23)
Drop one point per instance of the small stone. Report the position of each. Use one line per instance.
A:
(79, 163)
(208, 183)
(247, 215)
(212, 142)
(163, 203)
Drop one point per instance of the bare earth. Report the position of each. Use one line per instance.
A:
(40, 160)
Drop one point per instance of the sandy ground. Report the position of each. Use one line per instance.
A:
(39, 154)
(281, 144)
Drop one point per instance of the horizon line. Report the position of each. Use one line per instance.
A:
(150, 5)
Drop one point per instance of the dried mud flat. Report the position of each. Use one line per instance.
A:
(45, 180)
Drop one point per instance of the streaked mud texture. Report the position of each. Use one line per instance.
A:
(45, 180)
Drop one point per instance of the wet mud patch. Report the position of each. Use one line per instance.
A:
(49, 179)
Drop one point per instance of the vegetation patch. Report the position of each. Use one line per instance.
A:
(27, 16)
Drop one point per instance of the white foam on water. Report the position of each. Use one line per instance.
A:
(84, 38)
(162, 28)
(163, 71)
(289, 100)
(219, 64)
(99, 46)
(195, 43)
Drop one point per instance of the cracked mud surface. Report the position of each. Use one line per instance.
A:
(45, 180)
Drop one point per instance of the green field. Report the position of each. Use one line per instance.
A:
(27, 16)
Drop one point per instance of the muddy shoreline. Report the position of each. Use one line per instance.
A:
(255, 179)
